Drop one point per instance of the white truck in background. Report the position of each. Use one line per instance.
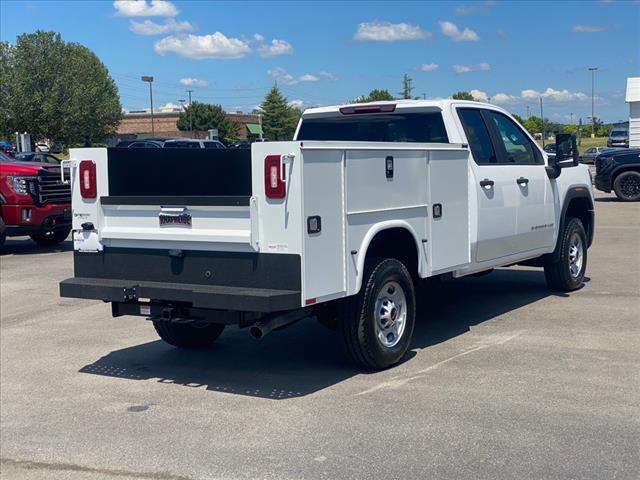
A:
(340, 223)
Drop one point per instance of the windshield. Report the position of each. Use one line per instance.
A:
(619, 133)
(395, 127)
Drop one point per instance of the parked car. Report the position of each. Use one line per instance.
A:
(240, 144)
(33, 201)
(41, 147)
(339, 223)
(618, 137)
(550, 148)
(37, 157)
(590, 155)
(56, 148)
(192, 143)
(619, 171)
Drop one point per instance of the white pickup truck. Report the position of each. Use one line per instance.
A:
(340, 223)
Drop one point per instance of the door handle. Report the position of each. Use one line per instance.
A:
(522, 181)
(486, 183)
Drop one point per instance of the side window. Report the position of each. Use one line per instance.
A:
(591, 150)
(517, 145)
(477, 136)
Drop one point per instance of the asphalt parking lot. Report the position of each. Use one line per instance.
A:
(505, 380)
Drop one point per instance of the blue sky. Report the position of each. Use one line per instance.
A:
(323, 53)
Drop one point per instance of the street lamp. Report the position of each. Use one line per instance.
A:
(149, 80)
(593, 118)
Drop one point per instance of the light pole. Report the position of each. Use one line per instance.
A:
(593, 118)
(542, 118)
(190, 121)
(149, 80)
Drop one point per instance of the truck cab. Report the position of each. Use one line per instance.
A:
(340, 224)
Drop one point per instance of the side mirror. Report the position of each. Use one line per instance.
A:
(566, 150)
(566, 155)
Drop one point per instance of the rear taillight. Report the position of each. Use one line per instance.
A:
(274, 172)
(87, 176)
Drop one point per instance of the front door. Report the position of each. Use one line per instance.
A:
(526, 173)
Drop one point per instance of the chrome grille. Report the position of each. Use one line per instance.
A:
(50, 187)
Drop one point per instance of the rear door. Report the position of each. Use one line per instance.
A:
(497, 195)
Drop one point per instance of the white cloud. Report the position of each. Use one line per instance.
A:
(471, 68)
(198, 47)
(142, 8)
(428, 67)
(283, 77)
(328, 76)
(169, 106)
(149, 27)
(389, 32)
(258, 38)
(503, 98)
(589, 28)
(552, 94)
(297, 103)
(275, 48)
(479, 95)
(452, 31)
(193, 82)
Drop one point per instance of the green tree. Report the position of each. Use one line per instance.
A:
(375, 96)
(533, 124)
(203, 117)
(279, 119)
(571, 129)
(56, 90)
(462, 96)
(518, 118)
(407, 87)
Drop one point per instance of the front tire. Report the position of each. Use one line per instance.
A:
(627, 186)
(49, 239)
(379, 320)
(567, 274)
(188, 335)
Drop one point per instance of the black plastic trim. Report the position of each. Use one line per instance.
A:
(210, 201)
(572, 193)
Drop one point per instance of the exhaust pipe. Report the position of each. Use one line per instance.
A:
(273, 322)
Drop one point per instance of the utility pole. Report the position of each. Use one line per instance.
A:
(190, 118)
(542, 118)
(528, 112)
(593, 118)
(424, 96)
(149, 80)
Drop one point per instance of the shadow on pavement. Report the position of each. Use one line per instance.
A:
(608, 199)
(307, 357)
(26, 246)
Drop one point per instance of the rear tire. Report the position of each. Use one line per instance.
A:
(627, 186)
(379, 320)
(188, 335)
(49, 239)
(567, 274)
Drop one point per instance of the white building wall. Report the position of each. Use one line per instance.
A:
(634, 124)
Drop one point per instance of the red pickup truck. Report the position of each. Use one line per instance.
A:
(33, 201)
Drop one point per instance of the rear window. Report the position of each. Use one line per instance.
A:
(396, 127)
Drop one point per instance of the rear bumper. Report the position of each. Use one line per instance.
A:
(197, 296)
(237, 281)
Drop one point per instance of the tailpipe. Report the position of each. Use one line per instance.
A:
(276, 321)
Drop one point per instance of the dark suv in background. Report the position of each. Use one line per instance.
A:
(619, 170)
(619, 137)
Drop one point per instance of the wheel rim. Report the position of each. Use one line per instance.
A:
(630, 186)
(390, 314)
(576, 255)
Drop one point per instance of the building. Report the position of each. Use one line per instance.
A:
(633, 99)
(137, 124)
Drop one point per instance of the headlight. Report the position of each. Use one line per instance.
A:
(20, 185)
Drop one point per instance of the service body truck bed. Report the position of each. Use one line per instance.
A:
(339, 223)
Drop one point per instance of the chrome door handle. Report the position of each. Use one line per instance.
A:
(486, 183)
(522, 181)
